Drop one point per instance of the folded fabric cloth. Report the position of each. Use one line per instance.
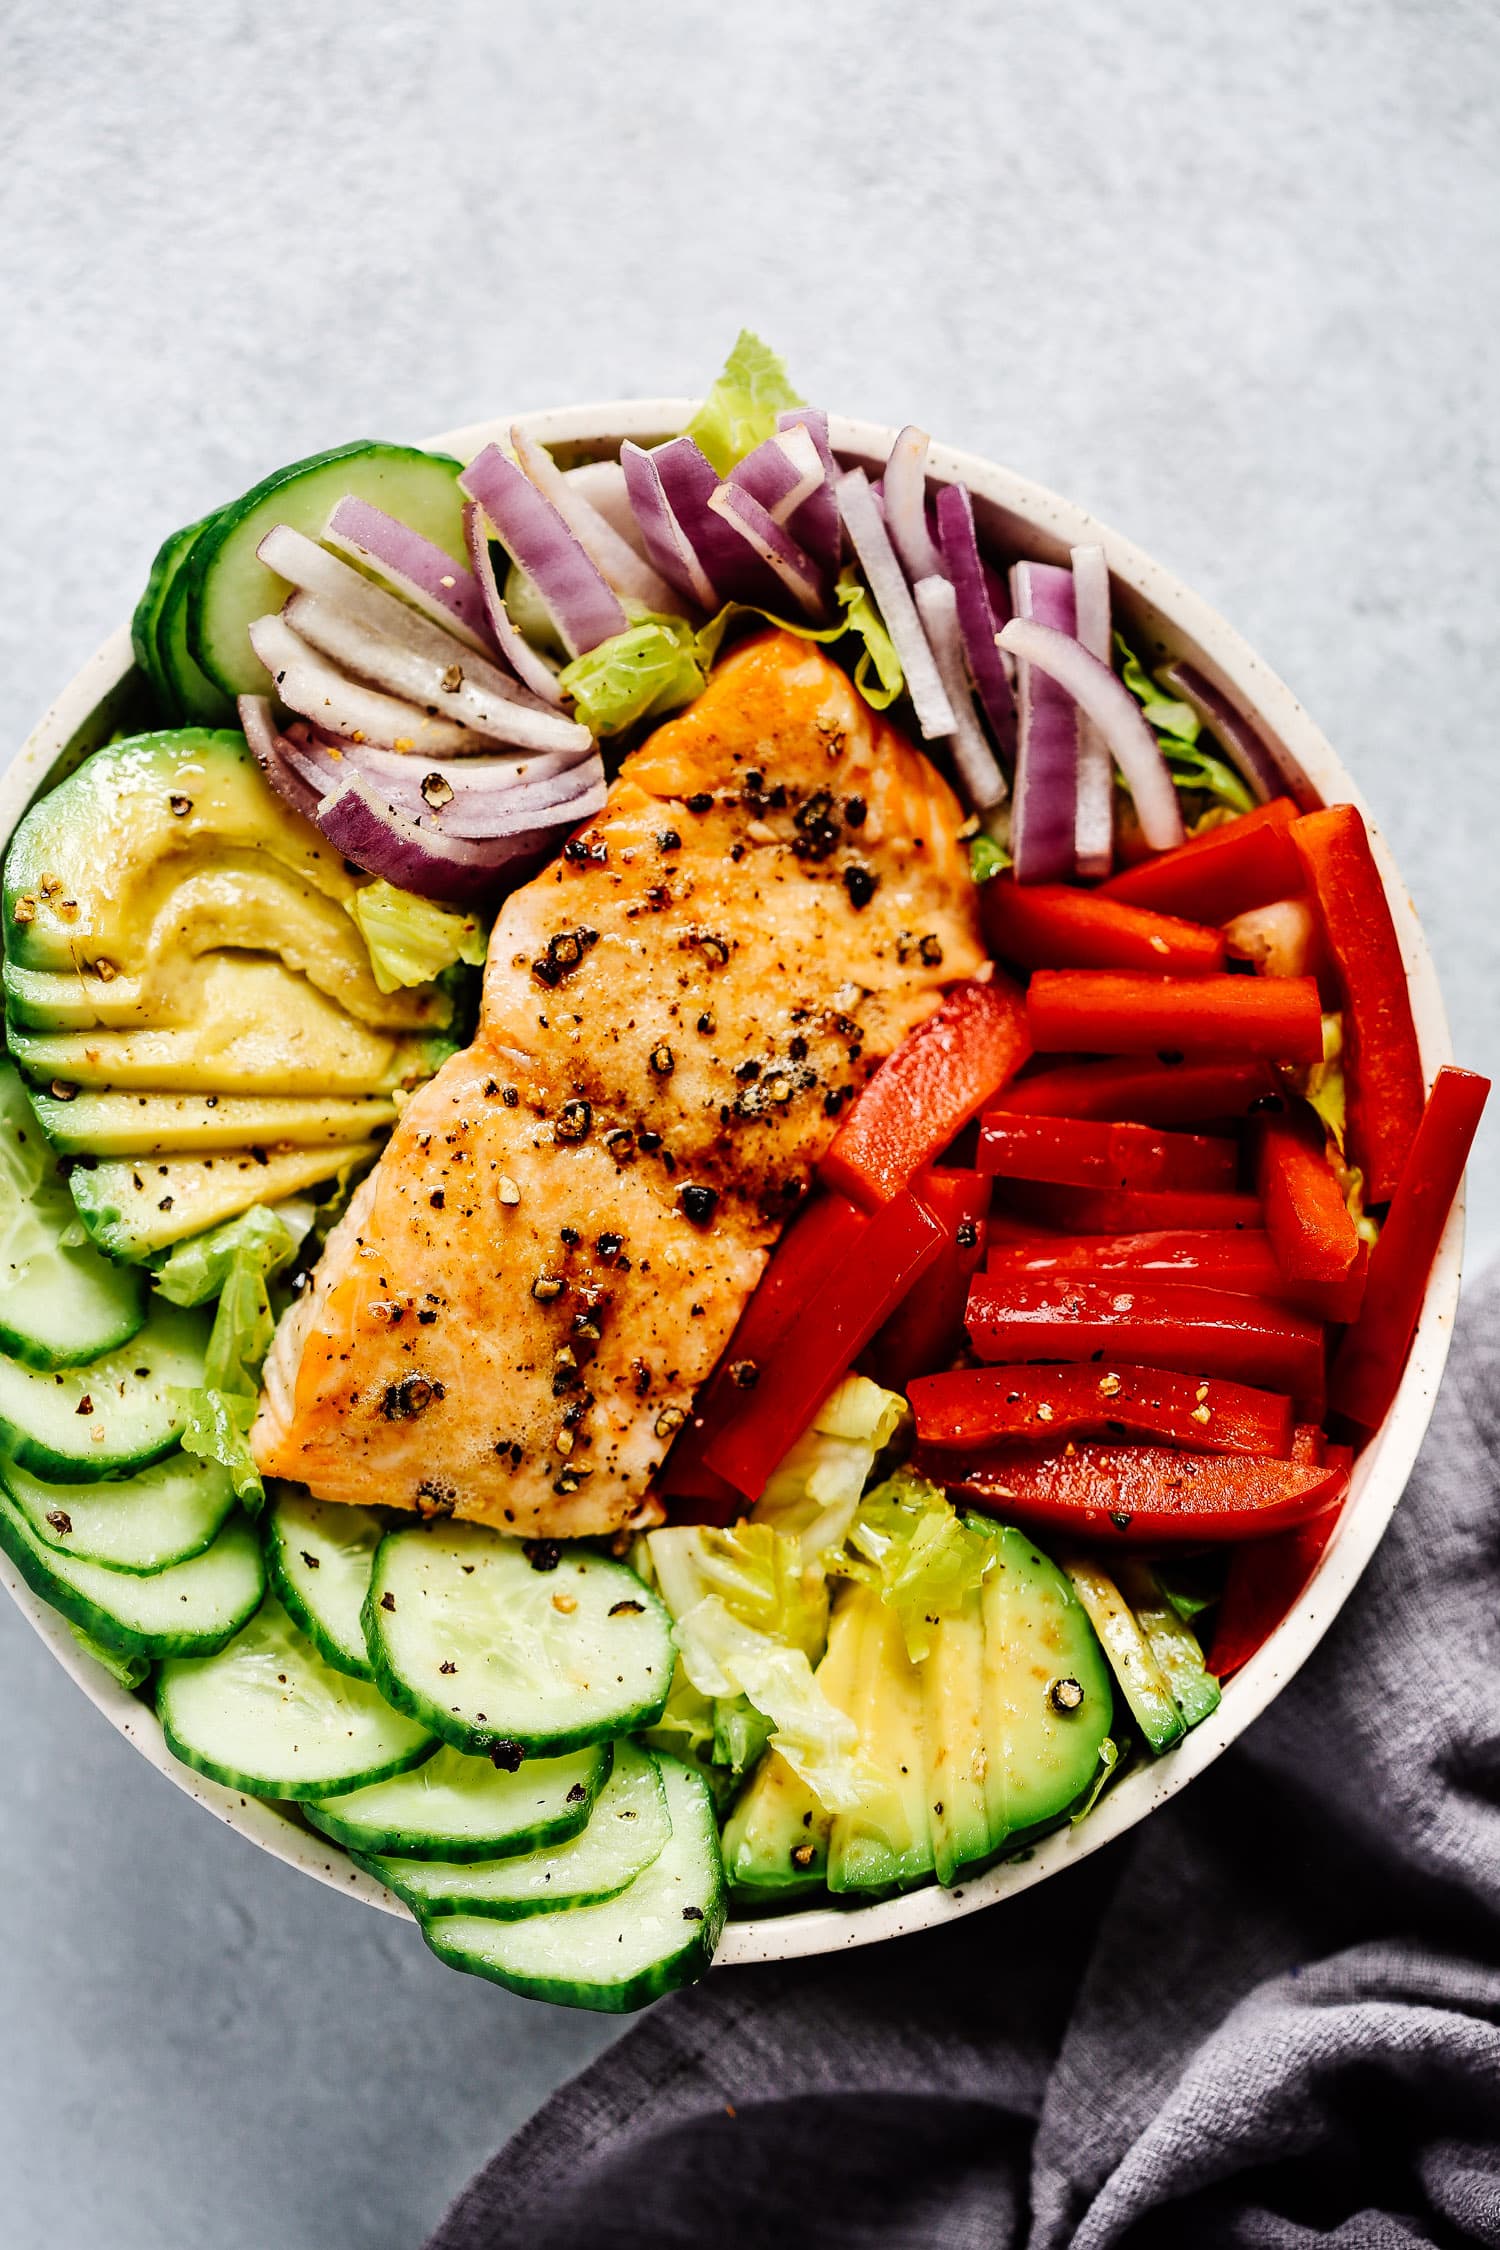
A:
(1269, 2017)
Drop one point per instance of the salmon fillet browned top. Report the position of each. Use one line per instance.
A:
(512, 1319)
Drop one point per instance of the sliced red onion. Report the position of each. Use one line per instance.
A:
(420, 572)
(473, 798)
(1104, 698)
(978, 767)
(689, 481)
(384, 843)
(619, 562)
(776, 548)
(978, 619)
(666, 542)
(305, 682)
(1094, 821)
(781, 474)
(904, 489)
(1267, 772)
(861, 519)
(529, 666)
(603, 485)
(583, 606)
(270, 750)
(1046, 780)
(816, 522)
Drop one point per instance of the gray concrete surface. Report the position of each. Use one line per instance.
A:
(1225, 274)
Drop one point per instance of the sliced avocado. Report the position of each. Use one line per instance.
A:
(118, 1124)
(132, 1210)
(162, 850)
(776, 1838)
(888, 1844)
(1048, 1707)
(953, 1724)
(1143, 1683)
(1171, 1639)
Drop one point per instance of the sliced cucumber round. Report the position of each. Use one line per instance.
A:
(228, 587)
(144, 626)
(192, 697)
(189, 1610)
(625, 1952)
(61, 1302)
(319, 1555)
(117, 1415)
(627, 1830)
(269, 1716)
(492, 1643)
(460, 1808)
(145, 1523)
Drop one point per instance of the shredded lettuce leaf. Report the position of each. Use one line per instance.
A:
(987, 858)
(130, 1671)
(814, 1489)
(1322, 1086)
(757, 1571)
(910, 1544)
(654, 666)
(725, 1659)
(411, 940)
(1177, 728)
(740, 411)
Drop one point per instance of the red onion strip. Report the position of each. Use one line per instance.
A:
(816, 522)
(1267, 772)
(978, 619)
(502, 800)
(603, 485)
(1046, 786)
(531, 668)
(1094, 820)
(1105, 699)
(978, 767)
(666, 542)
(305, 682)
(689, 481)
(861, 519)
(781, 474)
(625, 570)
(776, 548)
(583, 606)
(420, 572)
(270, 750)
(905, 494)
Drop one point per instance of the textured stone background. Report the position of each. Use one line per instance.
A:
(1227, 275)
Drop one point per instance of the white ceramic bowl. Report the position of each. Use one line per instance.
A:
(1165, 616)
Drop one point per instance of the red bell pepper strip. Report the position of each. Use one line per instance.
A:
(988, 1405)
(927, 1327)
(1368, 1367)
(1057, 926)
(1211, 878)
(831, 1328)
(1131, 1211)
(1225, 1258)
(1382, 1068)
(937, 1079)
(1143, 1093)
(1266, 1576)
(1110, 1014)
(1138, 1494)
(1307, 1219)
(1087, 1152)
(818, 1240)
(1150, 1324)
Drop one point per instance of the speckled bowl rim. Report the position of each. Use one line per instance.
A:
(1176, 620)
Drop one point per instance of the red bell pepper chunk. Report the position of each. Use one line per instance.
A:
(1266, 1576)
(1056, 926)
(820, 1239)
(1240, 1260)
(1110, 1014)
(1087, 1152)
(1132, 1210)
(832, 1326)
(988, 1405)
(1382, 1068)
(1307, 1219)
(1367, 1369)
(927, 1091)
(1144, 1093)
(927, 1327)
(1211, 878)
(1151, 1324)
(1136, 1494)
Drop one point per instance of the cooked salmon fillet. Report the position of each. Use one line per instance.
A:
(512, 1320)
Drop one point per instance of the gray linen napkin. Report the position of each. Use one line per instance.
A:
(1270, 2017)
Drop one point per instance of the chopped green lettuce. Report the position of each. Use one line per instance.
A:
(910, 1544)
(411, 940)
(1322, 1086)
(987, 858)
(654, 666)
(130, 1671)
(740, 411)
(757, 1571)
(814, 1489)
(1177, 728)
(725, 1658)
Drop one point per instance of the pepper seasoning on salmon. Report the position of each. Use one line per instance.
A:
(512, 1320)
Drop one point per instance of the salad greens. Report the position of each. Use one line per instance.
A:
(911, 1545)
(1178, 729)
(413, 940)
(740, 411)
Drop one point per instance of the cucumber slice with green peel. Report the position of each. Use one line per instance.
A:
(168, 560)
(61, 1303)
(191, 698)
(627, 1830)
(134, 1207)
(459, 1808)
(1172, 1642)
(190, 1609)
(319, 1554)
(494, 1644)
(228, 588)
(143, 1524)
(657, 1935)
(1143, 1683)
(267, 1715)
(120, 1124)
(117, 1415)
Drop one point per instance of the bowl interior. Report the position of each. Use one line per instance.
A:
(1015, 516)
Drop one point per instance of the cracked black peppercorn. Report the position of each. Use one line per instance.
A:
(698, 1203)
(861, 885)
